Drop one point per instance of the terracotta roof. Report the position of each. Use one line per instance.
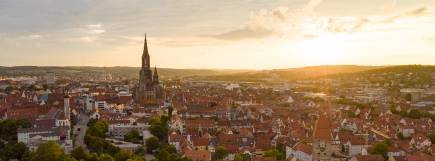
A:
(322, 129)
(198, 155)
(303, 148)
(419, 157)
(369, 158)
(197, 141)
(259, 158)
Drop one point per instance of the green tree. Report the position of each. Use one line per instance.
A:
(93, 157)
(95, 135)
(8, 128)
(169, 153)
(9, 89)
(12, 150)
(32, 87)
(221, 153)
(432, 138)
(152, 144)
(67, 158)
(414, 113)
(388, 142)
(380, 148)
(163, 156)
(91, 122)
(351, 114)
(100, 145)
(98, 129)
(122, 155)
(133, 136)
(136, 158)
(105, 157)
(400, 136)
(169, 148)
(27, 156)
(159, 127)
(408, 97)
(246, 157)
(170, 111)
(275, 153)
(239, 157)
(80, 153)
(49, 151)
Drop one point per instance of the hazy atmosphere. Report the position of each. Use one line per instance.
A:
(243, 34)
(217, 80)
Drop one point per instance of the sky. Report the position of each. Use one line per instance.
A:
(227, 34)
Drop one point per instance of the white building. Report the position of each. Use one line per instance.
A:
(32, 137)
(300, 152)
(119, 130)
(102, 105)
(127, 146)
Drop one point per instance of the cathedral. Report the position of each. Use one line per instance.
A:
(149, 90)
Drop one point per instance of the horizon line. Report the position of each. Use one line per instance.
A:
(254, 69)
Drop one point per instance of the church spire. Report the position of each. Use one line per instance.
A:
(145, 55)
(155, 75)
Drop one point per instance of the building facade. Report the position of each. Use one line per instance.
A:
(149, 89)
(323, 146)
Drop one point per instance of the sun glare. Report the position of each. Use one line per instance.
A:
(321, 50)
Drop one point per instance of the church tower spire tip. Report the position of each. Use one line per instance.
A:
(145, 54)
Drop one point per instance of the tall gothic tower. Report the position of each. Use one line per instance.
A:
(149, 89)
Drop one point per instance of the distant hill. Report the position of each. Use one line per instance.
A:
(229, 75)
(128, 72)
(398, 69)
(402, 69)
(290, 73)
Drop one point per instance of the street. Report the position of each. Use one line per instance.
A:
(82, 125)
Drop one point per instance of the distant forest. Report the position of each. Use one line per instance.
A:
(290, 74)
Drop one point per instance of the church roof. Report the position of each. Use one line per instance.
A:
(322, 129)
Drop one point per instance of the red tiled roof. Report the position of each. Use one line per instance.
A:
(419, 157)
(259, 158)
(197, 141)
(303, 148)
(370, 158)
(322, 129)
(198, 155)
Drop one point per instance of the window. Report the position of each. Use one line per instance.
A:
(322, 146)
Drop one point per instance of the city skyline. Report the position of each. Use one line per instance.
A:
(224, 35)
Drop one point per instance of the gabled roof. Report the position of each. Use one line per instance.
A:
(322, 129)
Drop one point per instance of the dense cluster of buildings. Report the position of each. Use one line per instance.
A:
(252, 119)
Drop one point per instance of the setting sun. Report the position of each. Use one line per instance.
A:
(325, 49)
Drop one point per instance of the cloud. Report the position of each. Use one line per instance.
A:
(34, 36)
(185, 41)
(269, 22)
(88, 38)
(95, 29)
(263, 23)
(390, 7)
(86, 33)
(353, 24)
(312, 5)
(246, 33)
(412, 13)
(94, 26)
